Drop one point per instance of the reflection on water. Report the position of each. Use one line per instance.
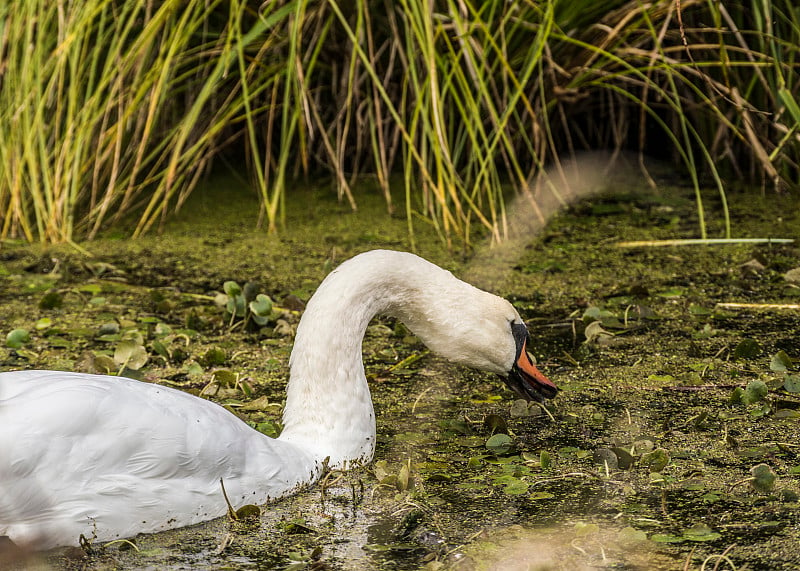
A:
(576, 547)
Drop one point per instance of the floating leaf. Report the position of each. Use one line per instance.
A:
(656, 460)
(780, 362)
(43, 323)
(699, 310)
(297, 525)
(755, 392)
(701, 532)
(747, 349)
(404, 480)
(495, 424)
(666, 538)
(225, 378)
(628, 535)
(763, 478)
(17, 338)
(545, 461)
(792, 383)
(624, 458)
(51, 300)
(160, 349)
(500, 444)
(268, 427)
(130, 354)
(671, 292)
(214, 357)
(515, 486)
(261, 403)
(595, 333)
(261, 308)
(232, 289)
(792, 276)
(605, 457)
(520, 408)
(248, 512)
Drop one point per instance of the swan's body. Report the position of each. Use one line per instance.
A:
(113, 457)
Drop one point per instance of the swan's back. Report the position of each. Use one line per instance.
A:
(136, 448)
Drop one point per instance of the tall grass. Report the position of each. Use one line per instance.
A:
(110, 107)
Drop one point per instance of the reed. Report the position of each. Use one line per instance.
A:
(111, 108)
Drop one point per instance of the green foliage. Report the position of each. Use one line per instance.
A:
(245, 306)
(107, 105)
(17, 338)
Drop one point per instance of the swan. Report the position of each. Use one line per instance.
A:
(110, 457)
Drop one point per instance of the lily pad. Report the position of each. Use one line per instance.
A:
(495, 424)
(666, 538)
(261, 308)
(747, 349)
(754, 392)
(763, 478)
(606, 457)
(629, 535)
(780, 362)
(131, 354)
(500, 444)
(51, 300)
(656, 460)
(792, 383)
(701, 532)
(624, 458)
(515, 487)
(17, 338)
(595, 333)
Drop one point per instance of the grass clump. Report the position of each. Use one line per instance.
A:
(111, 107)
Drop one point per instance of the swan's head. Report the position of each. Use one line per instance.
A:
(475, 328)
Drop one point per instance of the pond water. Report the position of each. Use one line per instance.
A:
(647, 459)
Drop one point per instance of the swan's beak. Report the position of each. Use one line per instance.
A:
(524, 378)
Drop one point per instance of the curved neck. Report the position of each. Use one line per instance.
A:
(328, 404)
(329, 408)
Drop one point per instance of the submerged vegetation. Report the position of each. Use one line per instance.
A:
(112, 108)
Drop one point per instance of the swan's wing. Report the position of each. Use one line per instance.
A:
(117, 456)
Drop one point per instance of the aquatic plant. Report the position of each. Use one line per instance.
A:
(109, 108)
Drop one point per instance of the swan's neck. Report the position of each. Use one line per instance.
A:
(328, 405)
(328, 408)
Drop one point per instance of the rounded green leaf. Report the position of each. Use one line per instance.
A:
(792, 383)
(701, 532)
(51, 300)
(780, 362)
(232, 289)
(515, 487)
(656, 460)
(131, 354)
(755, 392)
(763, 478)
(17, 338)
(500, 444)
(747, 349)
(261, 305)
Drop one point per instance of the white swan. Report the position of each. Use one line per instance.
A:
(110, 456)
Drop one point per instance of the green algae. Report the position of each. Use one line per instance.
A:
(643, 465)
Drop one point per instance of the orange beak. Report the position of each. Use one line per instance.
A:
(524, 378)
